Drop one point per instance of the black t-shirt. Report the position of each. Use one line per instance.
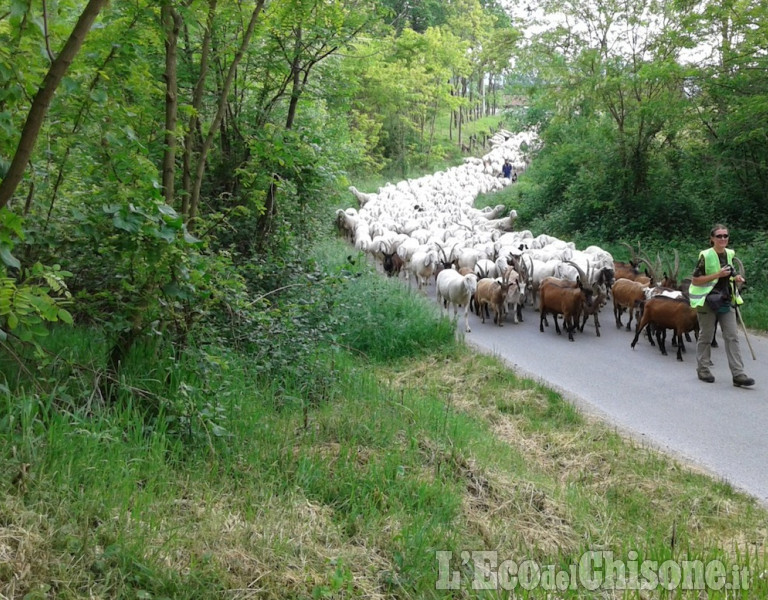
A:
(722, 283)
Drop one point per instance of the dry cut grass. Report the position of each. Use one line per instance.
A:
(579, 484)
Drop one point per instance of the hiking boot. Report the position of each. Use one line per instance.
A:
(709, 378)
(743, 381)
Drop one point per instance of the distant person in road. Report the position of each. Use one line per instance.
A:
(506, 170)
(716, 299)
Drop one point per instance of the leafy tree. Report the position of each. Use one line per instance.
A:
(402, 82)
(226, 83)
(418, 15)
(731, 90)
(618, 61)
(304, 33)
(36, 294)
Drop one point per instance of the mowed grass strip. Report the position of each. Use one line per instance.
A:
(446, 452)
(561, 484)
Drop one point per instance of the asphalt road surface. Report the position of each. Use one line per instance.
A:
(654, 398)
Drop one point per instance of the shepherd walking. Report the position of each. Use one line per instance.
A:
(714, 295)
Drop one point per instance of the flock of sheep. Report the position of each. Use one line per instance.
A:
(427, 228)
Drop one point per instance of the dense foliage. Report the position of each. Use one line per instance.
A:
(164, 164)
(650, 113)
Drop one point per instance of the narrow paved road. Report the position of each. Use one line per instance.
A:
(655, 398)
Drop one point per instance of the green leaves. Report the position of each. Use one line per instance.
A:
(158, 220)
(8, 258)
(34, 297)
(26, 307)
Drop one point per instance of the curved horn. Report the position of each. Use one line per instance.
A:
(524, 267)
(642, 256)
(740, 266)
(584, 279)
(451, 253)
(648, 264)
(527, 266)
(659, 264)
(444, 260)
(634, 258)
(676, 268)
(630, 248)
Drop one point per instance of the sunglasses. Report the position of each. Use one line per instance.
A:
(721, 236)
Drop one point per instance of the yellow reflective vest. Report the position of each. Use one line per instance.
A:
(697, 293)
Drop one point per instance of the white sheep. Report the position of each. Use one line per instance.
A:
(422, 265)
(486, 268)
(422, 214)
(362, 197)
(468, 257)
(454, 288)
(406, 248)
(346, 220)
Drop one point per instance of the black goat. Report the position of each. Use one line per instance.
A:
(393, 264)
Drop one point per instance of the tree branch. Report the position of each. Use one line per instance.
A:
(43, 98)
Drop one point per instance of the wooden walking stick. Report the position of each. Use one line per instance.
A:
(737, 290)
(744, 327)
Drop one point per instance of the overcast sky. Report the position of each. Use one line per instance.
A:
(532, 19)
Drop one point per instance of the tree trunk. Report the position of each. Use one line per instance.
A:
(194, 199)
(458, 127)
(43, 98)
(172, 25)
(270, 205)
(481, 95)
(192, 136)
(492, 94)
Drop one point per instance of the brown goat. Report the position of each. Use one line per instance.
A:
(557, 297)
(491, 292)
(599, 297)
(668, 313)
(598, 301)
(627, 295)
(628, 270)
(625, 270)
(515, 294)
